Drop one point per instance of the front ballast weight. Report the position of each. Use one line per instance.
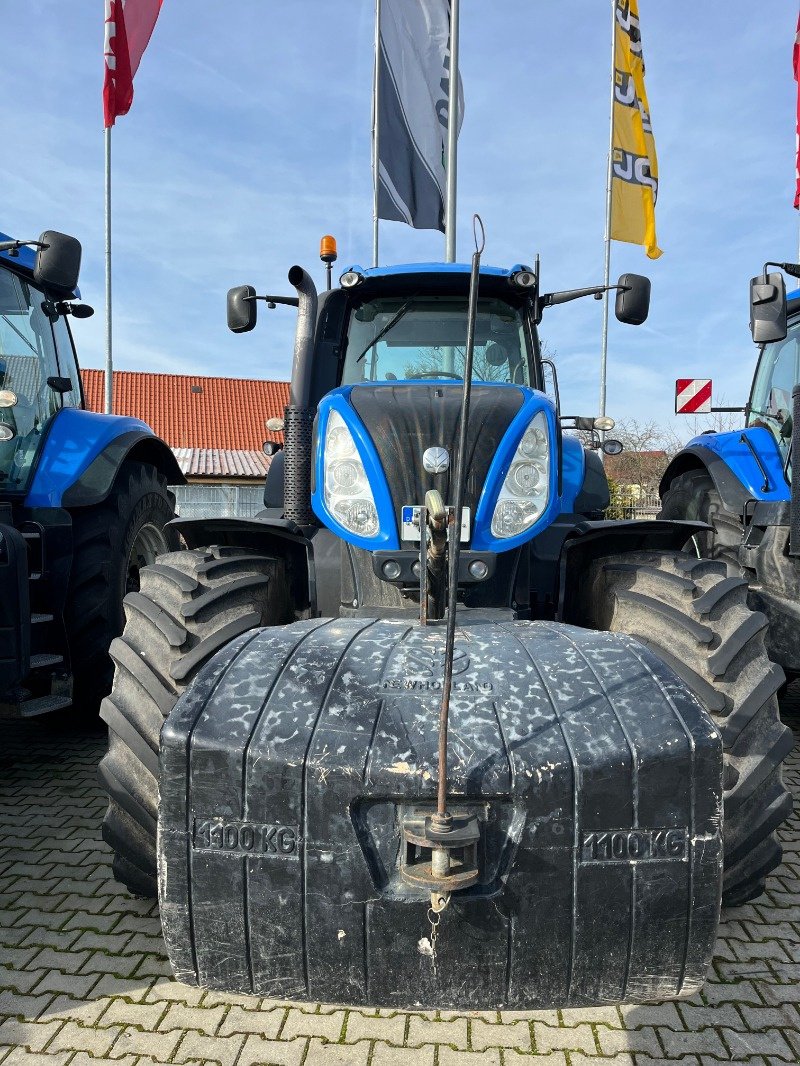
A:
(298, 801)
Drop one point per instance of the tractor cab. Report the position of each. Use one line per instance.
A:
(777, 374)
(417, 330)
(38, 368)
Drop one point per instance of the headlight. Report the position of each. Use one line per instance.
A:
(526, 488)
(348, 495)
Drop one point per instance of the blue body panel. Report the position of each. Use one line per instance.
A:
(387, 536)
(738, 457)
(573, 465)
(74, 440)
(482, 538)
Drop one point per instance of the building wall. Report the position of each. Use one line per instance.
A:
(209, 500)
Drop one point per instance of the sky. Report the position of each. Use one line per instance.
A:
(249, 138)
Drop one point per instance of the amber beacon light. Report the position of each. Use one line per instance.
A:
(327, 253)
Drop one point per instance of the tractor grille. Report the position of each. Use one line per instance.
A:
(404, 420)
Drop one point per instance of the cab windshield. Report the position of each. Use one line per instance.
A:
(27, 359)
(771, 400)
(418, 337)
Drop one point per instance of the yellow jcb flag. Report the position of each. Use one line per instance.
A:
(634, 167)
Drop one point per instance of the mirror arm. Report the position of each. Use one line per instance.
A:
(792, 269)
(550, 299)
(271, 301)
(13, 247)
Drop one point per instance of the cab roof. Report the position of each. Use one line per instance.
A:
(445, 279)
(433, 268)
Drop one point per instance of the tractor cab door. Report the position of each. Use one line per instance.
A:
(28, 357)
(771, 398)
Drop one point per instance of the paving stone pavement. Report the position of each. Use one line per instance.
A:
(84, 980)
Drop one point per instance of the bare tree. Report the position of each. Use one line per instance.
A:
(648, 448)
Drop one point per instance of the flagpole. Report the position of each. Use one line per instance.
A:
(109, 360)
(452, 139)
(609, 174)
(375, 128)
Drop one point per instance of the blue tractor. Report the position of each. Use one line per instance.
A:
(428, 729)
(84, 502)
(740, 482)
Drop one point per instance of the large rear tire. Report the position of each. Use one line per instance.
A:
(111, 543)
(693, 496)
(695, 617)
(188, 606)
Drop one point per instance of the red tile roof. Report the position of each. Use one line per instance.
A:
(189, 411)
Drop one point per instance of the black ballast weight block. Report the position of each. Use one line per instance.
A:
(291, 762)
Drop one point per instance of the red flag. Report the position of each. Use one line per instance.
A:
(129, 26)
(796, 66)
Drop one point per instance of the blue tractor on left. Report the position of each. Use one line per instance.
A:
(84, 502)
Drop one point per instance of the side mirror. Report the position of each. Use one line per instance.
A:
(58, 262)
(768, 308)
(242, 310)
(612, 447)
(633, 299)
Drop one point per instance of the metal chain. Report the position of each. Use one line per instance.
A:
(434, 920)
(439, 902)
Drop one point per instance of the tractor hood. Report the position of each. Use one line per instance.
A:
(402, 437)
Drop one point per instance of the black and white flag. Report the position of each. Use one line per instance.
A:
(413, 77)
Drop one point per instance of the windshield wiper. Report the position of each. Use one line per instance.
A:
(389, 325)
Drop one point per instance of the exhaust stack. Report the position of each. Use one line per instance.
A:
(299, 417)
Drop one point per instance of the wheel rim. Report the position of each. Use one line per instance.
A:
(149, 543)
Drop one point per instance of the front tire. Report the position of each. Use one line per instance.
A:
(693, 496)
(112, 541)
(190, 604)
(695, 617)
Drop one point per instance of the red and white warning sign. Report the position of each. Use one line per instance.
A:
(693, 396)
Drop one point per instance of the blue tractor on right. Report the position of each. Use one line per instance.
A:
(744, 483)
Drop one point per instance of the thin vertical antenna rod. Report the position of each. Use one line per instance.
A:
(375, 128)
(454, 527)
(452, 139)
(109, 390)
(609, 177)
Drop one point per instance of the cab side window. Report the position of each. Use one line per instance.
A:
(67, 363)
(778, 373)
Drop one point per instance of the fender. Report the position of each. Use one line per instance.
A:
(733, 467)
(312, 554)
(82, 453)
(587, 541)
